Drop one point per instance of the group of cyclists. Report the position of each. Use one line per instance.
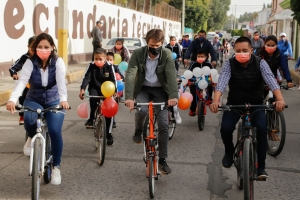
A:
(152, 76)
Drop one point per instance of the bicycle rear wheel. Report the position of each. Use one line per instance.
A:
(239, 159)
(36, 169)
(101, 139)
(172, 125)
(276, 132)
(151, 177)
(48, 157)
(201, 116)
(248, 170)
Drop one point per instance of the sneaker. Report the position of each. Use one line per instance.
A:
(227, 160)
(163, 166)
(262, 174)
(299, 88)
(137, 137)
(192, 113)
(110, 139)
(55, 176)
(114, 125)
(89, 124)
(27, 147)
(21, 120)
(178, 119)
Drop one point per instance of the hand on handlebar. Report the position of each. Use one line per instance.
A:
(172, 102)
(279, 105)
(10, 106)
(186, 62)
(81, 94)
(214, 107)
(15, 77)
(65, 105)
(129, 103)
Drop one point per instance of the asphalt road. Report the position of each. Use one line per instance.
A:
(194, 157)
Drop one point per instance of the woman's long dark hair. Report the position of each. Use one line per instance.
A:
(263, 51)
(38, 39)
(123, 49)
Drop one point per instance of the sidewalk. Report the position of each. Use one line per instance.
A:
(7, 84)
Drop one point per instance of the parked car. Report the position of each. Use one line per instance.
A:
(130, 42)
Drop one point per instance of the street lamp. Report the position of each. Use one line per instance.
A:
(183, 17)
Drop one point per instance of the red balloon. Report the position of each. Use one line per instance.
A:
(118, 76)
(188, 95)
(120, 93)
(82, 110)
(184, 103)
(109, 107)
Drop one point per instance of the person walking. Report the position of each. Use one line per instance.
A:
(97, 37)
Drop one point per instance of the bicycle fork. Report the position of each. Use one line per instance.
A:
(38, 135)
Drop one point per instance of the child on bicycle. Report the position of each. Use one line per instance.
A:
(97, 73)
(17, 67)
(201, 57)
(174, 47)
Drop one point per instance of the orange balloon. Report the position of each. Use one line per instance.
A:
(184, 103)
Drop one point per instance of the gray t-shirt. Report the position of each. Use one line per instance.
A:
(97, 35)
(151, 77)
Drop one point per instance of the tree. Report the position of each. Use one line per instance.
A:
(218, 14)
(295, 7)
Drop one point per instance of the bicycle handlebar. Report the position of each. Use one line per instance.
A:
(248, 106)
(39, 110)
(154, 104)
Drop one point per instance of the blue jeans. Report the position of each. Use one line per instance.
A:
(297, 64)
(231, 118)
(54, 123)
(285, 67)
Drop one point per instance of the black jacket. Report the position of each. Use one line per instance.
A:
(195, 46)
(175, 49)
(18, 64)
(246, 84)
(94, 76)
(273, 62)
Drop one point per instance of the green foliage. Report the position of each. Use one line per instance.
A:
(218, 14)
(237, 32)
(295, 7)
(247, 17)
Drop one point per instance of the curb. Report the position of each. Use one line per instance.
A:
(70, 77)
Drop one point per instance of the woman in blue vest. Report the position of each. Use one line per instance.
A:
(45, 72)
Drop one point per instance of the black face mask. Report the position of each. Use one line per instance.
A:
(201, 39)
(154, 51)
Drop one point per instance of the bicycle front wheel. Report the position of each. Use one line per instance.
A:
(101, 139)
(48, 156)
(239, 158)
(276, 132)
(36, 169)
(201, 116)
(172, 125)
(151, 177)
(248, 170)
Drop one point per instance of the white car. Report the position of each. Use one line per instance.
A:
(130, 42)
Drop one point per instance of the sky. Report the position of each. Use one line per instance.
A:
(243, 6)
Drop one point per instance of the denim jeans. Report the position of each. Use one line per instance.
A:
(231, 118)
(54, 123)
(158, 95)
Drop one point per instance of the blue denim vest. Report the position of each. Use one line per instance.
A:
(39, 93)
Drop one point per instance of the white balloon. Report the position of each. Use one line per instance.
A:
(215, 78)
(205, 71)
(202, 84)
(213, 72)
(197, 72)
(188, 74)
(184, 82)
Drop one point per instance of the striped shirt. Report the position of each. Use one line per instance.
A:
(265, 72)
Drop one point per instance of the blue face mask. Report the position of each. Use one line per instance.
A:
(201, 39)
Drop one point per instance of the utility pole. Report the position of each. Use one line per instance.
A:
(235, 18)
(183, 17)
(63, 26)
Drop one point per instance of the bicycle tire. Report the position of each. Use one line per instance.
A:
(276, 122)
(101, 129)
(48, 154)
(239, 168)
(95, 123)
(151, 177)
(248, 170)
(36, 165)
(201, 116)
(172, 125)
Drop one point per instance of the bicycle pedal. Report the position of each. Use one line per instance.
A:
(261, 179)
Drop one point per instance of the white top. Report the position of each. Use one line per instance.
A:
(26, 73)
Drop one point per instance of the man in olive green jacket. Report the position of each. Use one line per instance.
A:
(151, 74)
